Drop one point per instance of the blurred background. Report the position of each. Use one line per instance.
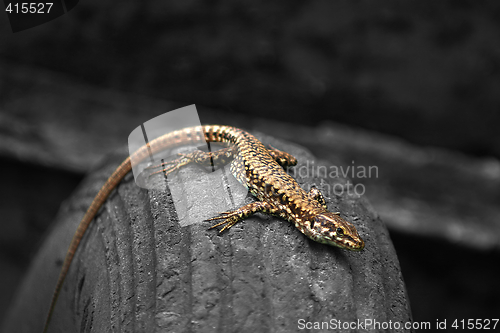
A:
(410, 87)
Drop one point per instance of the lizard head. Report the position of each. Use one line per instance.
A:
(329, 228)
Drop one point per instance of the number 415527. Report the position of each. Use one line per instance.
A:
(29, 7)
(485, 324)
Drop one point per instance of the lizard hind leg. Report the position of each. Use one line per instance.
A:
(170, 166)
(230, 218)
(200, 157)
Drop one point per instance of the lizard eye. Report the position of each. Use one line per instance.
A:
(340, 232)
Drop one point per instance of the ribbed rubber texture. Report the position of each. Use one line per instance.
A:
(137, 270)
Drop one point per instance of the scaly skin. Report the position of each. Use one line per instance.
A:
(258, 168)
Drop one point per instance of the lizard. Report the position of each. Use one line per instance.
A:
(259, 169)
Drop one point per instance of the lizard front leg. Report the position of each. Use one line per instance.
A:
(283, 158)
(318, 196)
(216, 158)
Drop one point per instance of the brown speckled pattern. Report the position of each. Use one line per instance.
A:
(256, 167)
(260, 170)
